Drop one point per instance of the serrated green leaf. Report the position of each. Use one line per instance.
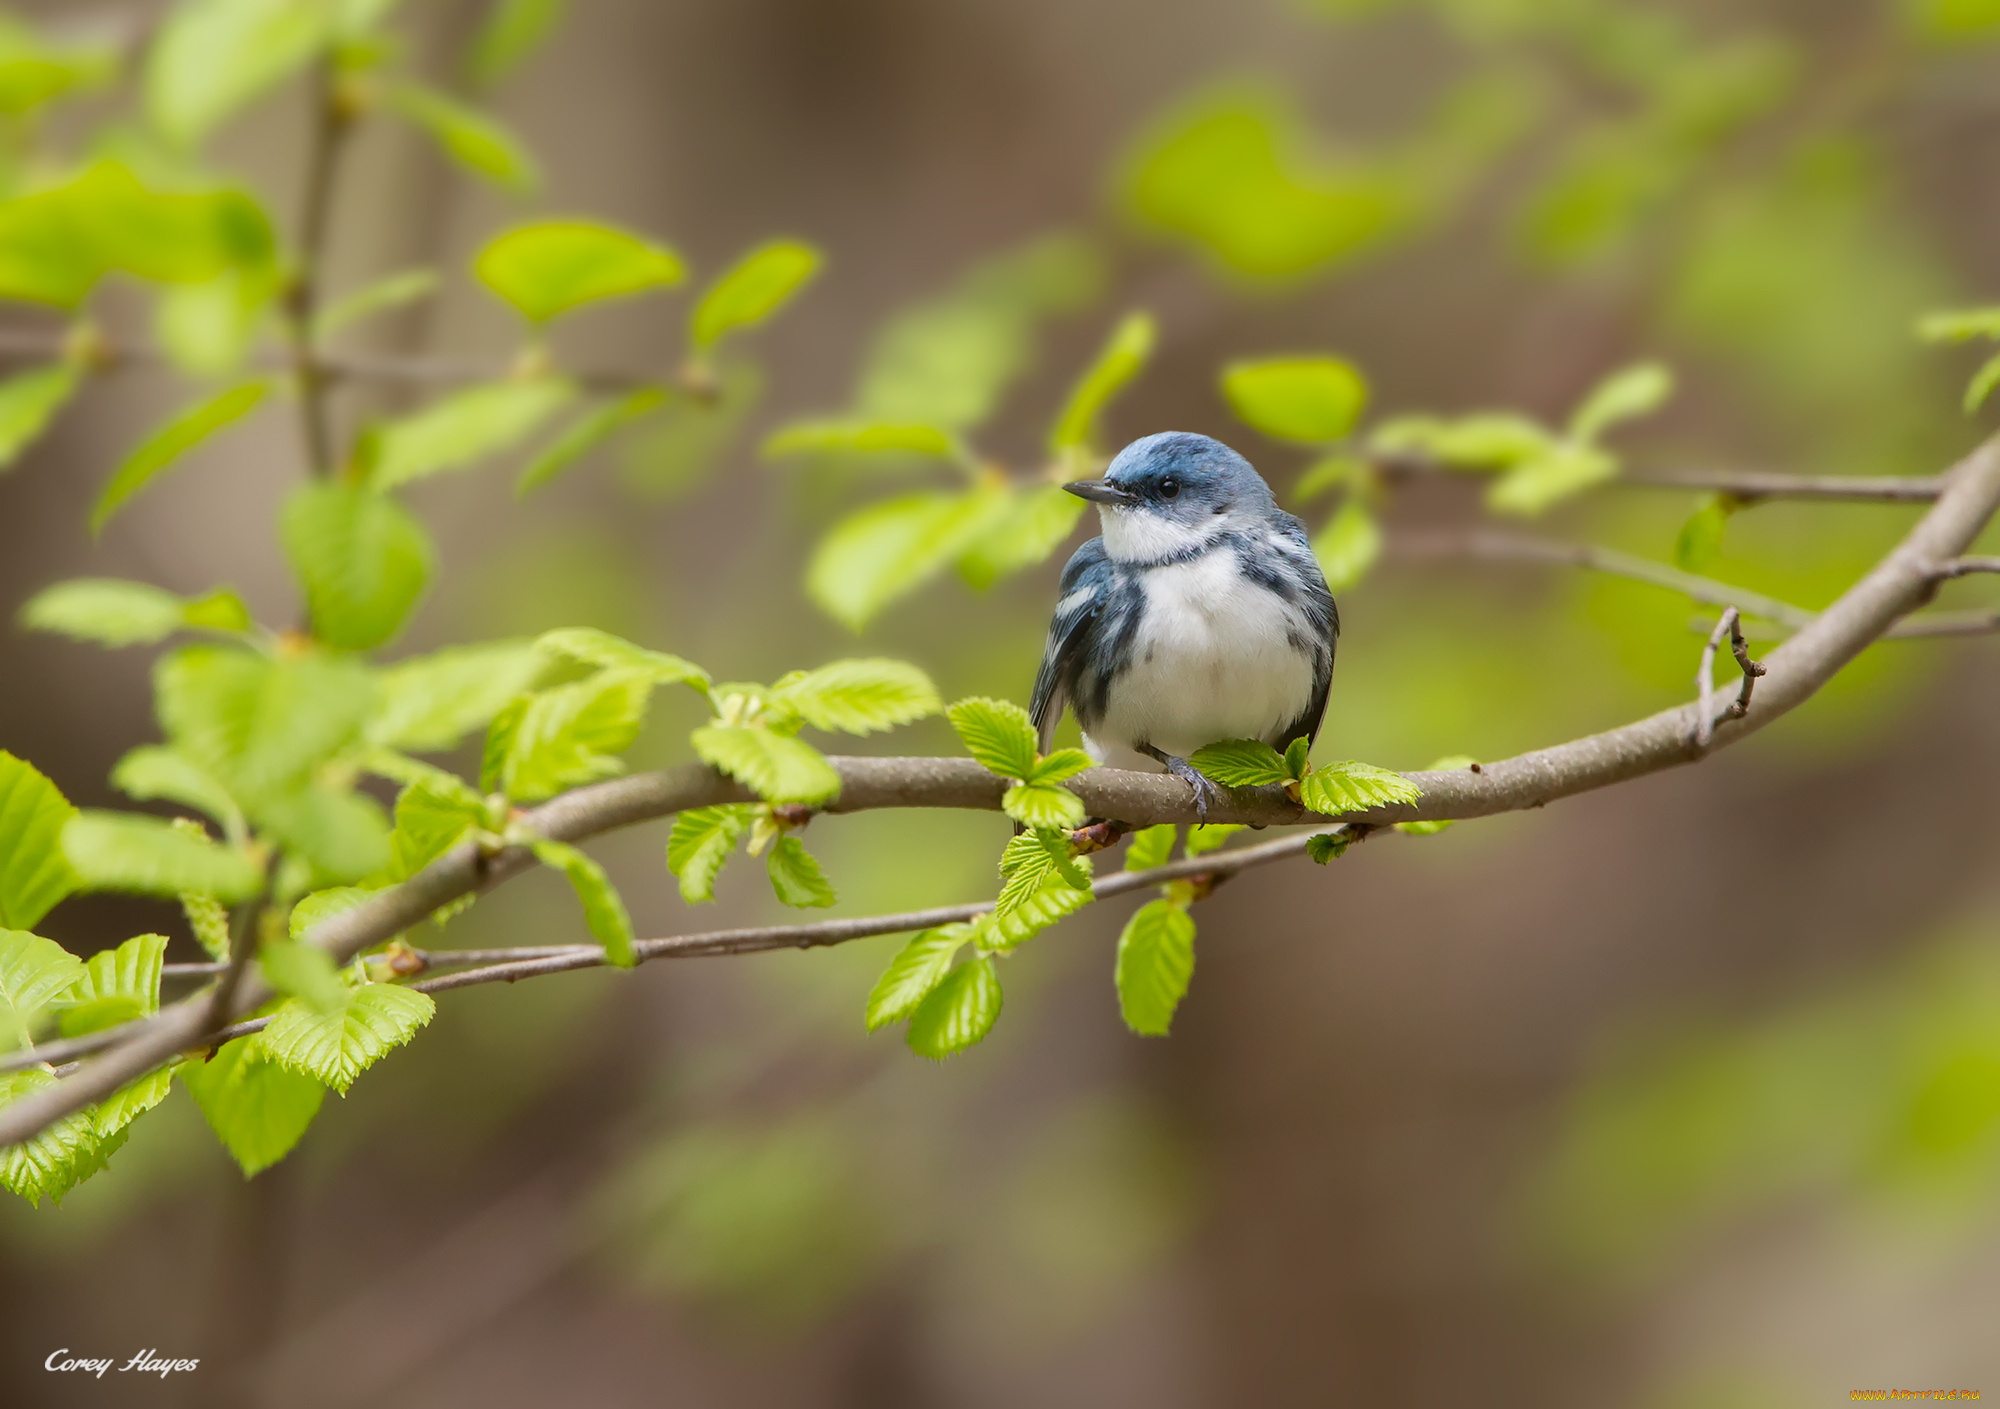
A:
(1025, 865)
(1355, 787)
(143, 855)
(584, 434)
(1051, 901)
(1537, 484)
(320, 906)
(1699, 542)
(702, 841)
(860, 696)
(33, 874)
(1123, 358)
(430, 820)
(1312, 399)
(1297, 756)
(257, 1108)
(1035, 522)
(750, 292)
(260, 725)
(34, 972)
(851, 437)
(1348, 546)
(1155, 965)
(362, 559)
(476, 140)
(552, 267)
(187, 429)
(1151, 847)
(51, 1162)
(130, 1101)
(128, 974)
(603, 908)
(1044, 806)
(512, 30)
(432, 702)
(306, 972)
(1241, 763)
(1208, 837)
(334, 1048)
(590, 646)
(998, 733)
(464, 429)
(1625, 395)
(776, 767)
(886, 551)
(28, 402)
(958, 1013)
(1061, 766)
(914, 973)
(105, 610)
(343, 834)
(796, 876)
(213, 56)
(572, 734)
(392, 291)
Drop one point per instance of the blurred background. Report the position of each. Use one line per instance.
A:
(1685, 1095)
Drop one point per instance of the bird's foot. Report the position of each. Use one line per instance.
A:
(1198, 783)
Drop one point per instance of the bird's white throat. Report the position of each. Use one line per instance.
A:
(1134, 534)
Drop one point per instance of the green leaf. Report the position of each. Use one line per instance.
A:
(1699, 542)
(1241, 763)
(334, 1048)
(776, 767)
(306, 972)
(213, 56)
(432, 702)
(1053, 899)
(33, 873)
(1355, 787)
(1025, 864)
(363, 561)
(572, 734)
(34, 972)
(105, 610)
(393, 291)
(555, 266)
(1061, 766)
(126, 852)
(154, 772)
(320, 906)
(513, 29)
(128, 975)
(998, 733)
(130, 1101)
(603, 909)
(53, 1161)
(1122, 359)
(220, 610)
(1206, 837)
(342, 834)
(475, 140)
(1537, 484)
(1044, 806)
(35, 71)
(464, 429)
(1314, 399)
(958, 1013)
(888, 550)
(1982, 384)
(1348, 546)
(1151, 847)
(430, 820)
(600, 648)
(1333, 472)
(1036, 522)
(207, 329)
(856, 437)
(28, 402)
(702, 842)
(1960, 325)
(758, 286)
(1491, 440)
(257, 1108)
(164, 446)
(260, 725)
(796, 877)
(914, 974)
(1298, 754)
(586, 433)
(860, 696)
(1155, 965)
(1625, 395)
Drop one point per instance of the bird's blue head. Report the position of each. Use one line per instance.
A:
(1171, 492)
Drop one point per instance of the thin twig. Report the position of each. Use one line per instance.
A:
(331, 123)
(1746, 485)
(1965, 567)
(1730, 625)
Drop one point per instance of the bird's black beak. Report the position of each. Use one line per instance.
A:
(1101, 491)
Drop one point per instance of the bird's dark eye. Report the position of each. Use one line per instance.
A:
(1170, 488)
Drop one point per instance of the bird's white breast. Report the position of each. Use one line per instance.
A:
(1213, 659)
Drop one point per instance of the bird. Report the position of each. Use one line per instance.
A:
(1198, 615)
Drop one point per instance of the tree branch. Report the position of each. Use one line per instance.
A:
(1730, 626)
(332, 120)
(1796, 669)
(1749, 486)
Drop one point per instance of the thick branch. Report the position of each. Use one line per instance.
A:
(1797, 668)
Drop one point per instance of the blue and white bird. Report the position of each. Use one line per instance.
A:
(1200, 615)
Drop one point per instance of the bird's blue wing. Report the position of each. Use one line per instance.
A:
(1084, 585)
